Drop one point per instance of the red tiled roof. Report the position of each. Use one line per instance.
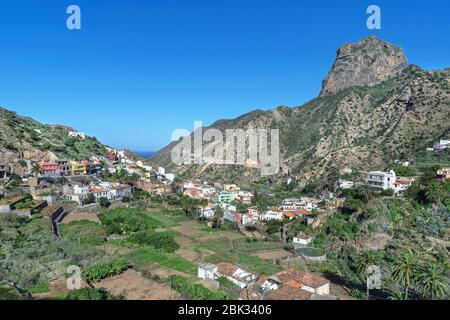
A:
(288, 293)
(226, 269)
(304, 212)
(289, 214)
(306, 279)
(294, 284)
(403, 182)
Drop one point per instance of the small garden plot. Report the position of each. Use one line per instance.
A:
(183, 240)
(133, 286)
(167, 260)
(169, 220)
(55, 288)
(220, 235)
(83, 232)
(73, 217)
(101, 271)
(189, 229)
(196, 291)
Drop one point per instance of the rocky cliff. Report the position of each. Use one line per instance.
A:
(364, 63)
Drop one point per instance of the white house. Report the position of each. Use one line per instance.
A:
(380, 181)
(118, 192)
(80, 189)
(169, 177)
(302, 239)
(250, 219)
(401, 185)
(208, 191)
(344, 184)
(76, 134)
(161, 171)
(105, 185)
(444, 142)
(273, 214)
(206, 213)
(403, 163)
(100, 193)
(304, 281)
(310, 203)
(232, 216)
(292, 205)
(236, 275)
(207, 271)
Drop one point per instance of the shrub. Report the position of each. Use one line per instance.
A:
(101, 271)
(89, 199)
(127, 221)
(90, 294)
(196, 291)
(104, 202)
(160, 241)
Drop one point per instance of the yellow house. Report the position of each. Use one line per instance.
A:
(231, 187)
(78, 168)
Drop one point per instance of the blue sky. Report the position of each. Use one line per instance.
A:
(140, 69)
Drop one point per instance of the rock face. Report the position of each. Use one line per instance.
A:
(364, 63)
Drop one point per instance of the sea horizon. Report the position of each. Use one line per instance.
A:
(144, 154)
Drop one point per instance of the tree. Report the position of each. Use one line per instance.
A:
(367, 259)
(292, 185)
(388, 193)
(432, 282)
(104, 202)
(435, 193)
(405, 267)
(89, 199)
(90, 294)
(35, 170)
(189, 205)
(397, 296)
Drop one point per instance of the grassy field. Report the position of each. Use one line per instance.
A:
(83, 232)
(167, 260)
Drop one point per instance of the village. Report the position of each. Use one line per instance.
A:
(65, 191)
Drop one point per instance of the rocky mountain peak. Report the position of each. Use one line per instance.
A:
(367, 62)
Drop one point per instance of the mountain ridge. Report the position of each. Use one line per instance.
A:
(23, 138)
(357, 128)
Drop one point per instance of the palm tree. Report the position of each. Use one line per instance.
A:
(435, 192)
(397, 296)
(367, 259)
(35, 170)
(432, 282)
(404, 269)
